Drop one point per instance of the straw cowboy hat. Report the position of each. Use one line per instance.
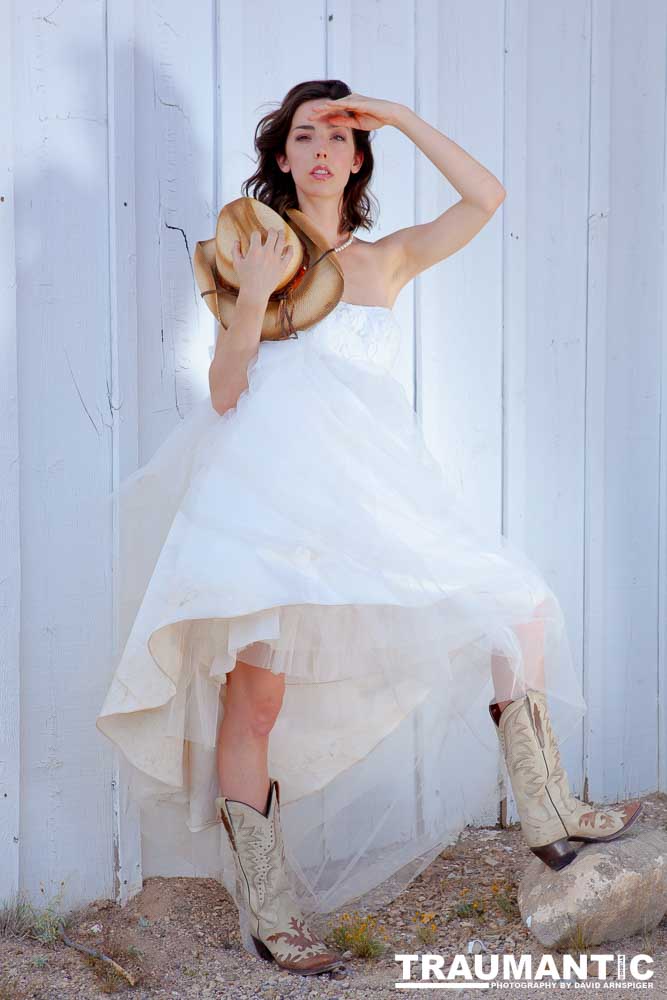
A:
(313, 280)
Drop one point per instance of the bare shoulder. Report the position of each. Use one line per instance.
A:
(383, 251)
(372, 270)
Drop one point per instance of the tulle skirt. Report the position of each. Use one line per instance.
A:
(309, 531)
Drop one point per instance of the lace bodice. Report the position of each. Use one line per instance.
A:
(360, 332)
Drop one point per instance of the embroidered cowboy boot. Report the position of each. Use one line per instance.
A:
(279, 930)
(550, 815)
(582, 820)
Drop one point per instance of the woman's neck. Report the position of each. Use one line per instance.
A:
(326, 217)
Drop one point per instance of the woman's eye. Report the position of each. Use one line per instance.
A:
(337, 136)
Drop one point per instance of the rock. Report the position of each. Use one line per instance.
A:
(610, 891)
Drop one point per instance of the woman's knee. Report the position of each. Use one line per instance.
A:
(257, 695)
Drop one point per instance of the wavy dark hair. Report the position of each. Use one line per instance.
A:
(277, 189)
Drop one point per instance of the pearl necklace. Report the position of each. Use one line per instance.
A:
(345, 244)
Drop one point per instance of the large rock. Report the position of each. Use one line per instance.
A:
(610, 890)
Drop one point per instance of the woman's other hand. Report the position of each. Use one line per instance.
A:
(263, 265)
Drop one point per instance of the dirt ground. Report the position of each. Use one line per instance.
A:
(179, 937)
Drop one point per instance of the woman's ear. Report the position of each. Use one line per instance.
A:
(357, 161)
(282, 162)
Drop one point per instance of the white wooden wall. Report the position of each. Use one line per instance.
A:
(537, 354)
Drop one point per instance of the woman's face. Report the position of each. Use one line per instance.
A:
(313, 143)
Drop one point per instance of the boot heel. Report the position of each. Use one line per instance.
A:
(262, 949)
(557, 855)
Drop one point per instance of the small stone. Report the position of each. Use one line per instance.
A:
(610, 891)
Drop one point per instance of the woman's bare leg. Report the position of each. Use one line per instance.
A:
(252, 703)
(507, 686)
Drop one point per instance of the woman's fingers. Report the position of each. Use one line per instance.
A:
(275, 239)
(270, 240)
(341, 107)
(274, 243)
(337, 119)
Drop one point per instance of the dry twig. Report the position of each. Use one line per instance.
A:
(96, 953)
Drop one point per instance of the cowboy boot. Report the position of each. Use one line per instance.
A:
(550, 815)
(279, 930)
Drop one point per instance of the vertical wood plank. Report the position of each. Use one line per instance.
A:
(596, 384)
(174, 127)
(122, 376)
(662, 472)
(623, 495)
(62, 272)
(10, 547)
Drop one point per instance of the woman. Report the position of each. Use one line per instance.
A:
(318, 575)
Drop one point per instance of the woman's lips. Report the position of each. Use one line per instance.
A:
(321, 177)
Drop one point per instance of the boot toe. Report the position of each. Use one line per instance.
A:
(324, 962)
(630, 813)
(627, 814)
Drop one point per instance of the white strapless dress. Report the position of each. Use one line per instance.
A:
(310, 531)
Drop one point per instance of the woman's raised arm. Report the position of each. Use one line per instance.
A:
(415, 248)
